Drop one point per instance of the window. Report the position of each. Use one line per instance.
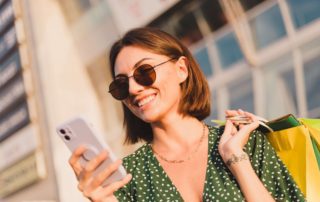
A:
(280, 87)
(214, 111)
(241, 95)
(202, 58)
(304, 12)
(288, 86)
(268, 27)
(229, 50)
(312, 84)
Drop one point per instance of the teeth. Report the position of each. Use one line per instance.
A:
(145, 100)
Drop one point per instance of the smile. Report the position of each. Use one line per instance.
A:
(146, 100)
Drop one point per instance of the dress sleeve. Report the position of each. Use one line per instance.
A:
(271, 170)
(124, 194)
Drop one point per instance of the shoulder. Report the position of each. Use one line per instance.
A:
(214, 133)
(136, 158)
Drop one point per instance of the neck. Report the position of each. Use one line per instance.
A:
(178, 134)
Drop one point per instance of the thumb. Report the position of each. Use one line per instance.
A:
(245, 131)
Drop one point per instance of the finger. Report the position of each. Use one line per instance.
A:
(251, 116)
(237, 117)
(254, 120)
(245, 131)
(74, 159)
(234, 129)
(93, 164)
(94, 195)
(241, 112)
(231, 113)
(101, 177)
(117, 185)
(104, 192)
(227, 133)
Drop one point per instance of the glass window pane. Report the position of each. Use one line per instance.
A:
(268, 27)
(214, 111)
(202, 58)
(304, 11)
(289, 86)
(280, 88)
(312, 81)
(229, 50)
(241, 95)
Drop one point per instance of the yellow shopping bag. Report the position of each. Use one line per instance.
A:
(294, 147)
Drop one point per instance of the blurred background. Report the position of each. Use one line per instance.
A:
(262, 56)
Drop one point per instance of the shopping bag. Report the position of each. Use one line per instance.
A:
(314, 127)
(296, 142)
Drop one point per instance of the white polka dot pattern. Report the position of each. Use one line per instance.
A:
(151, 183)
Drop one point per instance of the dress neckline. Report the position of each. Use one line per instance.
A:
(209, 161)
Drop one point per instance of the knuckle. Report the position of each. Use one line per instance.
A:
(89, 167)
(94, 199)
(116, 186)
(80, 187)
(107, 172)
(114, 166)
(86, 193)
(71, 161)
(99, 179)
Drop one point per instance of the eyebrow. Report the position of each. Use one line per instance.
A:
(135, 66)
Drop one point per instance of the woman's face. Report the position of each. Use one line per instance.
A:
(159, 101)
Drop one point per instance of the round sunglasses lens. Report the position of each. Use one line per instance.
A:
(145, 75)
(119, 89)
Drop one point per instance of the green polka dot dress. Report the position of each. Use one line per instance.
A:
(151, 183)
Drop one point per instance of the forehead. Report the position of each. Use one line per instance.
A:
(130, 55)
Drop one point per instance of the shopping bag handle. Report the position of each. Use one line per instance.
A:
(262, 122)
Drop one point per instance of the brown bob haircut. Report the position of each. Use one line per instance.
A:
(195, 96)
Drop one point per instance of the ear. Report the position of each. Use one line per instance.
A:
(182, 68)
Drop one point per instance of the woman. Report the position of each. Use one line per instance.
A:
(165, 97)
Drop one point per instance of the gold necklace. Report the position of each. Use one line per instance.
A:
(189, 157)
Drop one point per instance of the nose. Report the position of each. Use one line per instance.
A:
(134, 87)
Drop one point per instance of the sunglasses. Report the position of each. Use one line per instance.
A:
(144, 75)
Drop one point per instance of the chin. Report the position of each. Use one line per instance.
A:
(148, 114)
(148, 119)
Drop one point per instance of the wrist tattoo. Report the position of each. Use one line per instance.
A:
(235, 159)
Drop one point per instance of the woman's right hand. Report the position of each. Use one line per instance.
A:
(91, 186)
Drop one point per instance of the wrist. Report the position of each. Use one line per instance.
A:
(236, 158)
(239, 165)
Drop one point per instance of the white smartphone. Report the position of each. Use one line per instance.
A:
(78, 132)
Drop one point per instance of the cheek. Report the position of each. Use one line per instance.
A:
(170, 83)
(167, 77)
(170, 91)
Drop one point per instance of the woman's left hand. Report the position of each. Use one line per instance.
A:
(234, 138)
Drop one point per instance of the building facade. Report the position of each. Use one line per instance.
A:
(54, 66)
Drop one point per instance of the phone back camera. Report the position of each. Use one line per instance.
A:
(67, 137)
